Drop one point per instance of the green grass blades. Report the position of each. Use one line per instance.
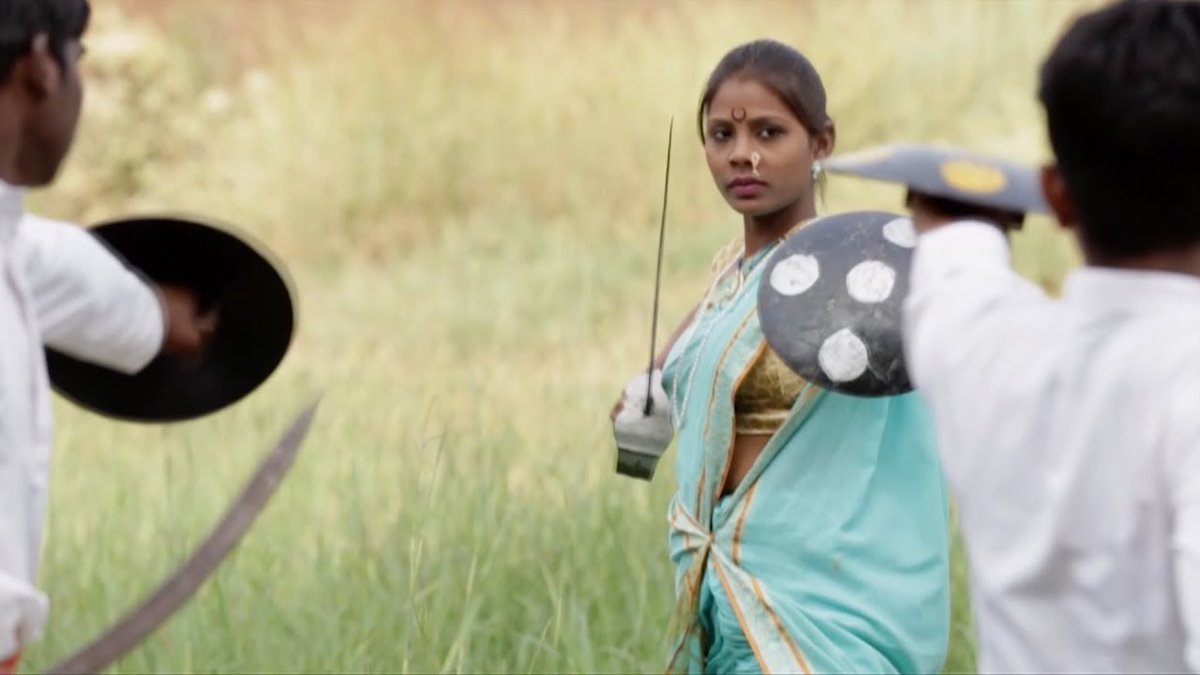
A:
(467, 194)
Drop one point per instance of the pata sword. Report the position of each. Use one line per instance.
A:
(178, 588)
(641, 441)
(662, 232)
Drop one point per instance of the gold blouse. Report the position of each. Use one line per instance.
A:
(765, 396)
(764, 399)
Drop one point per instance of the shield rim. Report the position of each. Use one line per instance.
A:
(222, 227)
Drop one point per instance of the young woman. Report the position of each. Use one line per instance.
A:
(810, 529)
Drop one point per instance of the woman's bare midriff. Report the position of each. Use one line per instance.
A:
(746, 449)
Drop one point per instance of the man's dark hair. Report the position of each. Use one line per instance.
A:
(20, 20)
(1121, 91)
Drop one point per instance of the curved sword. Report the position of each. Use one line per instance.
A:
(137, 624)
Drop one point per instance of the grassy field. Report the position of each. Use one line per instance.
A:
(467, 195)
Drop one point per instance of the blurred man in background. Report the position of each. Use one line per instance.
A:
(1070, 428)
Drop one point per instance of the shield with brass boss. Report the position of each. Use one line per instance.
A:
(950, 174)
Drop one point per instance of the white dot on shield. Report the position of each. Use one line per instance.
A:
(843, 356)
(900, 232)
(795, 274)
(871, 281)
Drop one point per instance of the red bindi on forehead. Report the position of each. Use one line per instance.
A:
(746, 99)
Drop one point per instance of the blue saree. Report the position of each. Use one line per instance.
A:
(832, 555)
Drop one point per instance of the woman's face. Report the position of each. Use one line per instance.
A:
(759, 153)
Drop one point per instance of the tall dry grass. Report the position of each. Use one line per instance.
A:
(467, 194)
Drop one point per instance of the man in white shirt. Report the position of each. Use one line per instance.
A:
(59, 287)
(1070, 428)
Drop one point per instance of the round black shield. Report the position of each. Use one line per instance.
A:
(830, 302)
(230, 274)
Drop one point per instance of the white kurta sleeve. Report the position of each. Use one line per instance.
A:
(23, 607)
(89, 303)
(1182, 469)
(961, 281)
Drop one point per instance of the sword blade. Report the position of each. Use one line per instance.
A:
(175, 591)
(662, 231)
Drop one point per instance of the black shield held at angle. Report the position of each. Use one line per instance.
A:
(831, 299)
(231, 274)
